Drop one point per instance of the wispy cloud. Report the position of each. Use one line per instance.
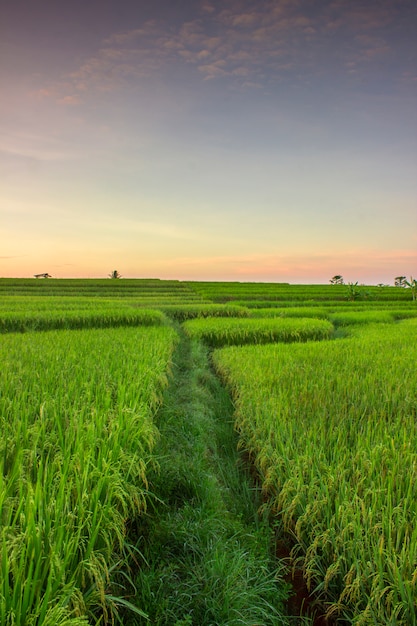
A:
(29, 145)
(250, 44)
(69, 100)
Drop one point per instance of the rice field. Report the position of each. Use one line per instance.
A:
(102, 315)
(77, 428)
(183, 312)
(144, 290)
(333, 432)
(325, 394)
(253, 294)
(240, 331)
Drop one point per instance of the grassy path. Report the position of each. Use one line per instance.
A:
(207, 558)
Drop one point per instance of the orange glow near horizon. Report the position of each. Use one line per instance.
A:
(367, 268)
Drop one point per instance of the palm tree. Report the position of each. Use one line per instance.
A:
(115, 274)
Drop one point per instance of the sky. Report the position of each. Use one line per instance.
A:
(267, 140)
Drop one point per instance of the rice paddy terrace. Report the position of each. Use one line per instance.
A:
(163, 441)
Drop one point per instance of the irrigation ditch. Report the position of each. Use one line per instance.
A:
(206, 556)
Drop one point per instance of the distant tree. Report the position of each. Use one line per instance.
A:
(337, 280)
(400, 281)
(353, 291)
(412, 284)
(356, 293)
(115, 274)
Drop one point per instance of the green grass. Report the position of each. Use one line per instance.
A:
(207, 555)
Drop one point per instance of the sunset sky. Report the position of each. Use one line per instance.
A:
(235, 140)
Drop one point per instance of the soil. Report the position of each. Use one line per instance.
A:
(301, 602)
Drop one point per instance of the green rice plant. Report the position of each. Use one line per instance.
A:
(361, 317)
(341, 315)
(329, 305)
(182, 312)
(150, 292)
(236, 331)
(403, 313)
(76, 416)
(107, 317)
(95, 294)
(250, 294)
(317, 312)
(101, 288)
(332, 428)
(340, 307)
